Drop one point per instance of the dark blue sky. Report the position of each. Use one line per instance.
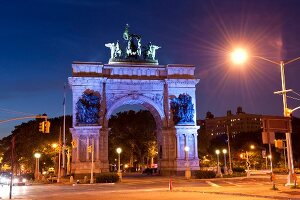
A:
(39, 40)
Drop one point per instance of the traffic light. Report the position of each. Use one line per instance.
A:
(42, 127)
(279, 144)
(74, 143)
(89, 149)
(47, 127)
(288, 112)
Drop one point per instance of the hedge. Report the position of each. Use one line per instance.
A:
(205, 174)
(107, 178)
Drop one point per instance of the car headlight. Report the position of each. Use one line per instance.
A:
(24, 180)
(3, 180)
(16, 180)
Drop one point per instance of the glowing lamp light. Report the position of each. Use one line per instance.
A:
(186, 148)
(224, 151)
(252, 147)
(239, 56)
(217, 151)
(119, 150)
(37, 155)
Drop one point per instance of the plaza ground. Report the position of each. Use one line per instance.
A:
(155, 187)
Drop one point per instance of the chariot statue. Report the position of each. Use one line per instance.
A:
(133, 51)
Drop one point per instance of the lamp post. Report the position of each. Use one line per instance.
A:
(119, 150)
(248, 164)
(37, 165)
(239, 56)
(219, 173)
(225, 166)
(187, 169)
(92, 164)
(55, 146)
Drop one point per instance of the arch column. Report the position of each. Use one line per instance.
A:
(184, 134)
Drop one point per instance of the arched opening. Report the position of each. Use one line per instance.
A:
(135, 126)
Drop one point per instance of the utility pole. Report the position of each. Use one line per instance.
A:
(229, 150)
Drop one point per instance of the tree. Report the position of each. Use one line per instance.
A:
(28, 140)
(134, 132)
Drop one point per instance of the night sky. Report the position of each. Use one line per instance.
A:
(39, 40)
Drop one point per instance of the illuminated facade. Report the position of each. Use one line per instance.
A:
(239, 123)
(134, 77)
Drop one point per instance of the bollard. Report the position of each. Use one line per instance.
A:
(170, 184)
(71, 179)
(294, 177)
(272, 178)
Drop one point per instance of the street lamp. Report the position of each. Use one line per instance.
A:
(239, 56)
(219, 173)
(55, 146)
(119, 150)
(37, 165)
(225, 166)
(187, 170)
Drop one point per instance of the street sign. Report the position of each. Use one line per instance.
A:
(268, 137)
(264, 153)
(276, 124)
(248, 163)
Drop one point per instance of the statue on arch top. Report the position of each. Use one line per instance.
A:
(133, 51)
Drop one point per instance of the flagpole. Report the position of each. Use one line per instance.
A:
(59, 155)
(64, 133)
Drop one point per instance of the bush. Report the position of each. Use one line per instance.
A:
(238, 169)
(280, 170)
(235, 174)
(203, 174)
(107, 178)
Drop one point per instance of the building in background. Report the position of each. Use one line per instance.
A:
(240, 122)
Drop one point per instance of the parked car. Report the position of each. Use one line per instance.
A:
(52, 179)
(19, 180)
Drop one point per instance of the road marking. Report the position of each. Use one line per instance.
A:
(233, 184)
(212, 184)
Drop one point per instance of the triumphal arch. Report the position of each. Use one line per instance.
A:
(134, 76)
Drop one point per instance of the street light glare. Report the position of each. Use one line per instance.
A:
(186, 148)
(119, 150)
(37, 155)
(239, 56)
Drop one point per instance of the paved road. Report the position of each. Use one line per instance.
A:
(149, 188)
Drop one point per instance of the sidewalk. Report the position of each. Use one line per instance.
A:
(262, 191)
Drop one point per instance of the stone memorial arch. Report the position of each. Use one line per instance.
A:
(133, 76)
